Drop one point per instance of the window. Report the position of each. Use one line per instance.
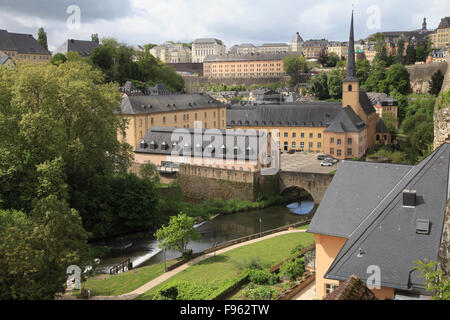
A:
(302, 145)
(311, 145)
(302, 135)
(294, 145)
(294, 135)
(331, 150)
(311, 135)
(350, 141)
(175, 119)
(286, 135)
(329, 288)
(151, 121)
(350, 87)
(319, 145)
(164, 120)
(339, 153)
(349, 151)
(319, 136)
(339, 142)
(331, 140)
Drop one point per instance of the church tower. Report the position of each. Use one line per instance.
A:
(350, 86)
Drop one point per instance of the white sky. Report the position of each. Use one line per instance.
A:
(233, 21)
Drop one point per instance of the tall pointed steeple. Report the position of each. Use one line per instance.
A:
(351, 67)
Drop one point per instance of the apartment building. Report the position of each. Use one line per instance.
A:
(201, 48)
(19, 46)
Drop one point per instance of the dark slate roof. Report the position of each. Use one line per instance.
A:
(365, 102)
(167, 103)
(176, 143)
(316, 43)
(23, 43)
(312, 114)
(381, 127)
(355, 191)
(275, 45)
(83, 48)
(352, 289)
(387, 236)
(248, 57)
(346, 121)
(445, 23)
(208, 41)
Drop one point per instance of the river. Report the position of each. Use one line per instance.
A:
(142, 248)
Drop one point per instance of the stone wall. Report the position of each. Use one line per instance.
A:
(420, 75)
(200, 84)
(444, 252)
(200, 183)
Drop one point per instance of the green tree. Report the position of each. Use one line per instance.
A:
(363, 70)
(177, 234)
(410, 57)
(149, 46)
(422, 52)
(319, 86)
(376, 76)
(437, 283)
(391, 123)
(334, 83)
(323, 57)
(148, 171)
(58, 58)
(333, 59)
(295, 66)
(421, 104)
(436, 83)
(400, 56)
(94, 37)
(397, 78)
(420, 131)
(42, 38)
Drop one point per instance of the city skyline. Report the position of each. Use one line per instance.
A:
(234, 22)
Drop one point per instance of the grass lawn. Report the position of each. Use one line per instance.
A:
(216, 270)
(105, 285)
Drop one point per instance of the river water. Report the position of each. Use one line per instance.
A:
(142, 248)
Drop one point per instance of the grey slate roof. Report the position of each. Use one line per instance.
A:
(346, 121)
(208, 41)
(381, 127)
(355, 191)
(248, 57)
(316, 43)
(167, 103)
(176, 144)
(313, 114)
(445, 23)
(365, 102)
(23, 43)
(380, 231)
(83, 48)
(269, 45)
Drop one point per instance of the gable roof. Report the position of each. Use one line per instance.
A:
(167, 103)
(381, 127)
(352, 289)
(22, 43)
(82, 47)
(445, 23)
(354, 192)
(365, 102)
(346, 121)
(312, 114)
(387, 237)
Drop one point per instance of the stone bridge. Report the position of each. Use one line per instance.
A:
(315, 183)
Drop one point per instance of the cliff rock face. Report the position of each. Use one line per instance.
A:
(442, 135)
(442, 117)
(420, 75)
(444, 252)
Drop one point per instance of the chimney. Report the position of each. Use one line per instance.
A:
(409, 198)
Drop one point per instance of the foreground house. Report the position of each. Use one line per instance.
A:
(385, 217)
(82, 47)
(19, 46)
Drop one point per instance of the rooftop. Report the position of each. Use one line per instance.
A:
(247, 57)
(82, 47)
(22, 43)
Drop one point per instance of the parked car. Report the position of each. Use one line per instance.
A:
(332, 160)
(291, 151)
(321, 157)
(326, 164)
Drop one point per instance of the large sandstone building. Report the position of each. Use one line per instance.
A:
(201, 48)
(19, 46)
(172, 110)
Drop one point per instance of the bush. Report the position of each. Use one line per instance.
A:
(183, 290)
(253, 264)
(297, 249)
(293, 268)
(263, 277)
(259, 293)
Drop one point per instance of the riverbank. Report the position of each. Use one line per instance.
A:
(213, 269)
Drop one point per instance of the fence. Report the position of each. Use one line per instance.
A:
(121, 267)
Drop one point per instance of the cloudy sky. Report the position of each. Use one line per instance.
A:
(233, 21)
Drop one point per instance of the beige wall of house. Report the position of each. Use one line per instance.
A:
(211, 118)
(327, 249)
(348, 145)
(35, 58)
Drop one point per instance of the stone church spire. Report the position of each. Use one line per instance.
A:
(351, 67)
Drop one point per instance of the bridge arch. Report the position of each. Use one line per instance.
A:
(316, 184)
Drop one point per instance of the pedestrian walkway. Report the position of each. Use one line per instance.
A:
(150, 285)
